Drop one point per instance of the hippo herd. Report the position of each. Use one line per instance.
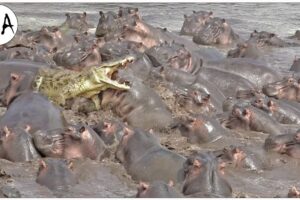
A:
(192, 121)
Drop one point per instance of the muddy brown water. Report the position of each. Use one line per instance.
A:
(108, 178)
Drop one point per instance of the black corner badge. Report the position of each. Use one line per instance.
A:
(8, 24)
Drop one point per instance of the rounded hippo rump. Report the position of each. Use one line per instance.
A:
(215, 31)
(17, 145)
(257, 72)
(146, 160)
(195, 22)
(55, 175)
(227, 82)
(157, 189)
(204, 177)
(34, 110)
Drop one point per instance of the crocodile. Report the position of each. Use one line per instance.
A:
(60, 85)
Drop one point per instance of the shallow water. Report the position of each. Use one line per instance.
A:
(280, 18)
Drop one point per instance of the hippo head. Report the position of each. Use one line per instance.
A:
(287, 88)
(129, 12)
(264, 38)
(76, 21)
(204, 174)
(195, 22)
(233, 155)
(293, 193)
(173, 54)
(240, 118)
(107, 24)
(244, 50)
(49, 38)
(18, 83)
(279, 143)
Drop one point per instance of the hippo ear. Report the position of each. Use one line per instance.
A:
(201, 62)
(171, 183)
(84, 14)
(272, 35)
(143, 186)
(165, 29)
(197, 163)
(68, 15)
(194, 11)
(210, 13)
(43, 164)
(185, 16)
(161, 70)
(223, 21)
(14, 77)
(7, 132)
(101, 14)
(76, 38)
(255, 31)
(222, 166)
(70, 164)
(27, 128)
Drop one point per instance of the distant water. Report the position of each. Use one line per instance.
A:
(280, 18)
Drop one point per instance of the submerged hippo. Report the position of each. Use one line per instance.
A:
(17, 145)
(264, 38)
(204, 177)
(146, 160)
(195, 22)
(215, 31)
(75, 21)
(55, 175)
(296, 35)
(244, 50)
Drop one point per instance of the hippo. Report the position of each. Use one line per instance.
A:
(264, 38)
(195, 22)
(195, 101)
(55, 175)
(251, 118)
(17, 66)
(17, 145)
(81, 142)
(204, 177)
(287, 88)
(296, 65)
(132, 105)
(283, 112)
(191, 82)
(157, 189)
(146, 160)
(279, 143)
(110, 131)
(77, 58)
(174, 55)
(245, 50)
(78, 141)
(227, 82)
(215, 31)
(34, 110)
(201, 129)
(75, 21)
(255, 71)
(114, 49)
